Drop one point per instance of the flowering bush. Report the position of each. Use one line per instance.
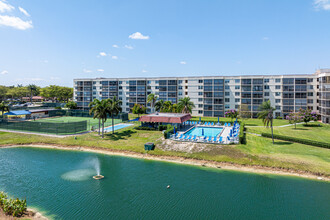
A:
(307, 115)
(232, 113)
(294, 118)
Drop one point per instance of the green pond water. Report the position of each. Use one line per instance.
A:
(59, 183)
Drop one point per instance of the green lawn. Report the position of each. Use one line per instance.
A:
(257, 151)
(247, 121)
(90, 121)
(311, 132)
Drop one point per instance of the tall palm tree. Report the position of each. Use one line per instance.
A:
(114, 109)
(167, 106)
(33, 89)
(266, 114)
(186, 105)
(3, 107)
(152, 98)
(159, 105)
(94, 107)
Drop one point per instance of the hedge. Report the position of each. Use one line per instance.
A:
(297, 140)
(169, 131)
(145, 128)
(242, 134)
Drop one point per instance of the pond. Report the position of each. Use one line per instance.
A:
(59, 183)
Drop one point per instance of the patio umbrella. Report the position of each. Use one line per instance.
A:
(174, 130)
(218, 120)
(202, 131)
(200, 119)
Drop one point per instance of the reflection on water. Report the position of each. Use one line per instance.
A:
(79, 175)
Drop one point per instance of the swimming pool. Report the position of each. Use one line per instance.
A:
(117, 127)
(204, 131)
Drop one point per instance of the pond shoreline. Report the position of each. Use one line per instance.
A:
(183, 160)
(29, 214)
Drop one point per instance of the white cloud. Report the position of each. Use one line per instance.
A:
(265, 38)
(15, 22)
(5, 7)
(129, 47)
(103, 54)
(138, 36)
(100, 70)
(24, 11)
(4, 72)
(115, 46)
(114, 57)
(87, 71)
(183, 62)
(322, 4)
(144, 71)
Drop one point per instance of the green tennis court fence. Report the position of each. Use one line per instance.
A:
(45, 127)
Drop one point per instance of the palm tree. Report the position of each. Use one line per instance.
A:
(159, 105)
(94, 106)
(3, 107)
(114, 109)
(32, 88)
(167, 106)
(186, 105)
(266, 114)
(152, 98)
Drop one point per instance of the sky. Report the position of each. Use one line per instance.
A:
(53, 42)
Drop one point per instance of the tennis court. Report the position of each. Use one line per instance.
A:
(90, 121)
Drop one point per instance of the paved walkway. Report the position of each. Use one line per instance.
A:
(275, 126)
(45, 135)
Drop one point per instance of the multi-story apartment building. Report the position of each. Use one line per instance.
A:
(213, 95)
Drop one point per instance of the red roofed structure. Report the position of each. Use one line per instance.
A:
(173, 118)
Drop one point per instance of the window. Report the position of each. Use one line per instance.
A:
(227, 106)
(200, 112)
(236, 106)
(266, 86)
(310, 101)
(157, 87)
(227, 99)
(311, 87)
(266, 93)
(180, 87)
(227, 80)
(310, 94)
(277, 93)
(278, 107)
(200, 106)
(237, 100)
(200, 93)
(200, 99)
(266, 80)
(237, 87)
(226, 93)
(180, 93)
(277, 87)
(309, 80)
(266, 100)
(120, 93)
(157, 81)
(277, 100)
(237, 93)
(226, 87)
(277, 80)
(148, 82)
(237, 80)
(200, 81)
(200, 87)
(180, 81)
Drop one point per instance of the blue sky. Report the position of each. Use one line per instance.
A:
(52, 42)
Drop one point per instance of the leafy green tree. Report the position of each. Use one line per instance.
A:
(159, 105)
(244, 111)
(3, 107)
(167, 107)
(152, 98)
(267, 115)
(3, 92)
(114, 109)
(55, 92)
(34, 90)
(94, 107)
(139, 109)
(185, 105)
(71, 105)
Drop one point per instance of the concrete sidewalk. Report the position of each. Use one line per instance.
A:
(45, 135)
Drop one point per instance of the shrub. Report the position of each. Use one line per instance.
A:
(279, 117)
(169, 131)
(162, 127)
(242, 134)
(298, 140)
(14, 207)
(145, 128)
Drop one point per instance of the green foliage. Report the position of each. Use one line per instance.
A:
(71, 105)
(298, 140)
(169, 130)
(307, 115)
(162, 127)
(139, 109)
(14, 207)
(152, 98)
(144, 128)
(185, 105)
(59, 93)
(242, 134)
(232, 113)
(58, 107)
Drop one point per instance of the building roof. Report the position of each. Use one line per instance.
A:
(33, 97)
(19, 112)
(41, 110)
(165, 117)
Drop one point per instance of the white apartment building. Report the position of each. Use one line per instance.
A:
(213, 95)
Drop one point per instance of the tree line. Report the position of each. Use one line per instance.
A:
(52, 92)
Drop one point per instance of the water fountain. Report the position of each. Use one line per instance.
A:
(96, 164)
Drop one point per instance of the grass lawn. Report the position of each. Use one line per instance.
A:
(257, 151)
(247, 121)
(90, 121)
(311, 132)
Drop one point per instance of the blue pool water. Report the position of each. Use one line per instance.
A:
(117, 127)
(207, 131)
